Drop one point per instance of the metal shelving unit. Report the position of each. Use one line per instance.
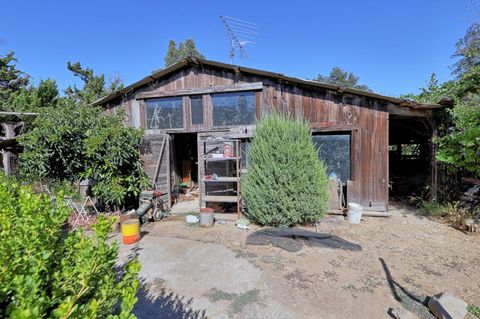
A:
(224, 155)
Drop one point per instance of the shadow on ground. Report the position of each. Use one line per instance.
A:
(156, 301)
(410, 301)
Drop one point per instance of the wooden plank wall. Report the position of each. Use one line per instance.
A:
(326, 110)
(151, 146)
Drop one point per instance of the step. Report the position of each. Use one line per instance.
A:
(220, 199)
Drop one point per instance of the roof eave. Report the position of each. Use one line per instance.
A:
(235, 68)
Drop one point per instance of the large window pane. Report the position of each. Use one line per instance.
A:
(334, 151)
(233, 108)
(165, 113)
(196, 107)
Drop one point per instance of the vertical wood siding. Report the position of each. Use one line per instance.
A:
(365, 118)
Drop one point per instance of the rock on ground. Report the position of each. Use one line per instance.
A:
(446, 306)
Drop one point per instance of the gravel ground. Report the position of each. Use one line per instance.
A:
(193, 272)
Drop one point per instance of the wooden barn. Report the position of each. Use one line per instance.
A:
(199, 117)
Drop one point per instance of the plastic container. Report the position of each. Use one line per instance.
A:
(131, 231)
(206, 217)
(191, 219)
(354, 214)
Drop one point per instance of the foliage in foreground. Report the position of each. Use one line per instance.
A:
(73, 143)
(48, 272)
(286, 183)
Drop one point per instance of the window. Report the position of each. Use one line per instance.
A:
(233, 108)
(334, 151)
(245, 149)
(196, 109)
(165, 113)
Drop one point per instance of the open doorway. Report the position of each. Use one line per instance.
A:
(410, 154)
(184, 167)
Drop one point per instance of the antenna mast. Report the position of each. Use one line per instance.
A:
(241, 33)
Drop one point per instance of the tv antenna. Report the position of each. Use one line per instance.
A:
(241, 33)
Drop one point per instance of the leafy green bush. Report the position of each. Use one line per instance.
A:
(75, 143)
(286, 183)
(48, 272)
(461, 147)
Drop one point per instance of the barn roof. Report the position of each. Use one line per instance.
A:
(191, 61)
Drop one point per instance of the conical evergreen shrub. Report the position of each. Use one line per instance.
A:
(286, 183)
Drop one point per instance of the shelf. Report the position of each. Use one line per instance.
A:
(220, 199)
(213, 159)
(221, 179)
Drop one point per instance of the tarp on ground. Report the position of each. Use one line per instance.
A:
(293, 239)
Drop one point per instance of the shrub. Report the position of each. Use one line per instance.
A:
(48, 272)
(73, 143)
(286, 183)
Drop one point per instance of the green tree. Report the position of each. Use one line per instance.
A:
(95, 86)
(459, 134)
(34, 99)
(48, 272)
(342, 78)
(185, 49)
(11, 79)
(467, 51)
(460, 148)
(286, 183)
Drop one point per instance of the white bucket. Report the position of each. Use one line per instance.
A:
(354, 214)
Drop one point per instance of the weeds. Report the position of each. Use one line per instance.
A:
(239, 301)
(474, 310)
(436, 209)
(450, 212)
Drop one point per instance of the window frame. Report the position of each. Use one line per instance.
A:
(254, 111)
(202, 98)
(350, 133)
(184, 124)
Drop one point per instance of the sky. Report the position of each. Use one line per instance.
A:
(392, 45)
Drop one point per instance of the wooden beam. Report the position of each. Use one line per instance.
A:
(159, 161)
(317, 127)
(17, 113)
(407, 111)
(204, 90)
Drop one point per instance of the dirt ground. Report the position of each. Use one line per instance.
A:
(404, 259)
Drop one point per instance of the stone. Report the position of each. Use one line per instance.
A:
(447, 306)
(401, 313)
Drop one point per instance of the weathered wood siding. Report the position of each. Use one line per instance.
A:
(151, 148)
(326, 110)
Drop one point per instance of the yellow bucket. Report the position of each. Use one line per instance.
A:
(131, 231)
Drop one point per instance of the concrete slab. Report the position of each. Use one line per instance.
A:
(191, 270)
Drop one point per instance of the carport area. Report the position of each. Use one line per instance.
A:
(411, 163)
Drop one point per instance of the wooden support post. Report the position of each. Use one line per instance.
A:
(159, 161)
(433, 161)
(9, 159)
(238, 155)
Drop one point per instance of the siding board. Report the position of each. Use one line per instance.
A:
(328, 110)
